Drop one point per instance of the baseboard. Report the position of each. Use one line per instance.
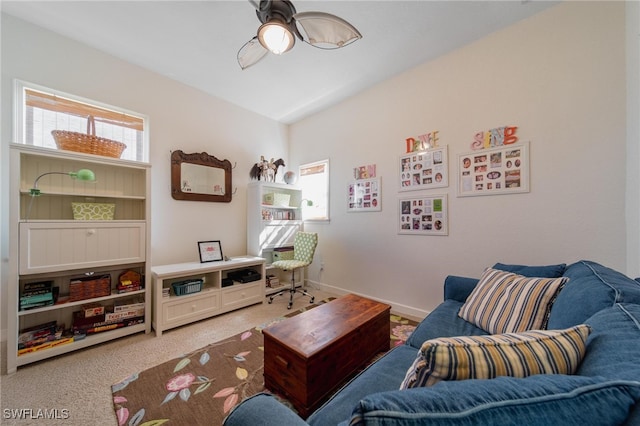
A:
(410, 312)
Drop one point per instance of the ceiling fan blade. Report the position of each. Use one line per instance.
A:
(251, 53)
(324, 30)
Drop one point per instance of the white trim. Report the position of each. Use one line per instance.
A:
(410, 312)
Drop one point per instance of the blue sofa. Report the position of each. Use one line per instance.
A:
(604, 391)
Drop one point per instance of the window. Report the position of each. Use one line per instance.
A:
(41, 110)
(314, 181)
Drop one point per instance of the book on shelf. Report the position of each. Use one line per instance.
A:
(130, 288)
(129, 304)
(31, 304)
(37, 331)
(81, 332)
(122, 315)
(40, 334)
(92, 309)
(45, 345)
(40, 286)
(272, 281)
(36, 295)
(104, 322)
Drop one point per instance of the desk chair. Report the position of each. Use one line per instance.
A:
(304, 246)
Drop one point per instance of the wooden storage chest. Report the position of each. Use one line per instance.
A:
(308, 356)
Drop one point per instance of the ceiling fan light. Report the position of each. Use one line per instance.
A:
(276, 37)
(325, 31)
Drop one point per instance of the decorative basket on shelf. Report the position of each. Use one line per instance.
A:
(88, 143)
(93, 211)
(276, 199)
(182, 288)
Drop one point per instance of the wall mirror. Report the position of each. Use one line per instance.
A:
(200, 177)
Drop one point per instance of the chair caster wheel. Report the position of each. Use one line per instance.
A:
(312, 300)
(288, 306)
(270, 301)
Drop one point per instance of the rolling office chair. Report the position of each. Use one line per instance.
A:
(304, 246)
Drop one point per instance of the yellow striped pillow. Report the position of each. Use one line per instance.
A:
(503, 302)
(487, 357)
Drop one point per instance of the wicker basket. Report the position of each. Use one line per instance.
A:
(88, 143)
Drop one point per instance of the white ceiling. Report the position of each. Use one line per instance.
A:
(196, 42)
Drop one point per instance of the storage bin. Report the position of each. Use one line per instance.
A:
(276, 199)
(283, 253)
(93, 211)
(89, 287)
(182, 288)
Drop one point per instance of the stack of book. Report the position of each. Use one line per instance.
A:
(91, 320)
(273, 281)
(42, 336)
(36, 295)
(129, 308)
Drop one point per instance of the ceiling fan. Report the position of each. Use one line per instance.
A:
(281, 24)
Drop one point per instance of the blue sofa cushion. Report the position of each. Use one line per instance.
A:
(536, 400)
(547, 271)
(591, 288)
(459, 288)
(261, 409)
(443, 321)
(613, 348)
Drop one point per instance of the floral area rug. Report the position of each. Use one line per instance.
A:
(203, 386)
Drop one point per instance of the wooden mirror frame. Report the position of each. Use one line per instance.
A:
(203, 159)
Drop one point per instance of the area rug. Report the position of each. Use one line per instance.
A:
(203, 386)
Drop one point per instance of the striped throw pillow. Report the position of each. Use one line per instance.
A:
(503, 302)
(488, 357)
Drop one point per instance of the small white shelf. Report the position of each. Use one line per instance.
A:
(63, 305)
(84, 195)
(213, 299)
(93, 339)
(271, 206)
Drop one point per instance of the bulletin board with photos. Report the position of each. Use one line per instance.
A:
(424, 169)
(364, 195)
(423, 215)
(500, 170)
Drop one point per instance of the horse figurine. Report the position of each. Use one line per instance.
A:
(266, 170)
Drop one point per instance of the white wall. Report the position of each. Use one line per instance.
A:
(180, 118)
(560, 77)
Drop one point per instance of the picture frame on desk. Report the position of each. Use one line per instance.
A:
(210, 251)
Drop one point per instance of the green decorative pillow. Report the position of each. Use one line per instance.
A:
(488, 357)
(504, 302)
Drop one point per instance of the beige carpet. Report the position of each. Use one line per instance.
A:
(80, 382)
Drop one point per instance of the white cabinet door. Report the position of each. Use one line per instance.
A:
(242, 295)
(55, 246)
(182, 311)
(279, 233)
